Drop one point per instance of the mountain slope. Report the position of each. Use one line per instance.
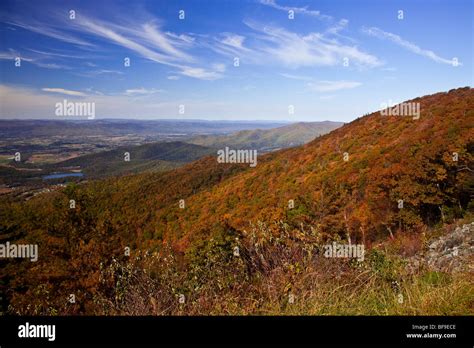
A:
(268, 139)
(390, 159)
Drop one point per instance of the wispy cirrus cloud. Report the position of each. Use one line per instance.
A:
(232, 45)
(323, 86)
(63, 55)
(166, 42)
(64, 91)
(296, 77)
(142, 36)
(52, 65)
(142, 91)
(410, 46)
(332, 86)
(313, 49)
(106, 71)
(12, 54)
(300, 10)
(99, 72)
(40, 61)
(338, 27)
(150, 42)
(200, 73)
(275, 44)
(105, 31)
(233, 40)
(48, 30)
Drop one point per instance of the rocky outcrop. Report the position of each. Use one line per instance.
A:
(453, 252)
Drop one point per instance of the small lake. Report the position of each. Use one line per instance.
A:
(62, 175)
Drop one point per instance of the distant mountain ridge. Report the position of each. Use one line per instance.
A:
(269, 139)
(116, 127)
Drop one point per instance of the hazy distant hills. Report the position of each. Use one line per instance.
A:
(168, 155)
(117, 127)
(143, 158)
(269, 139)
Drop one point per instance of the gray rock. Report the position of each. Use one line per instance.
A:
(452, 252)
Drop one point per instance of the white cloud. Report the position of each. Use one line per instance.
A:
(233, 40)
(296, 77)
(173, 77)
(378, 33)
(51, 65)
(314, 49)
(301, 10)
(339, 26)
(160, 40)
(106, 71)
(142, 91)
(200, 73)
(182, 39)
(12, 55)
(55, 54)
(332, 86)
(232, 45)
(64, 91)
(102, 30)
(149, 42)
(99, 72)
(219, 67)
(47, 30)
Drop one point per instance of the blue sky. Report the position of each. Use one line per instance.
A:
(335, 60)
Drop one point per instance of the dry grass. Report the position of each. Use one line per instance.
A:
(280, 276)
